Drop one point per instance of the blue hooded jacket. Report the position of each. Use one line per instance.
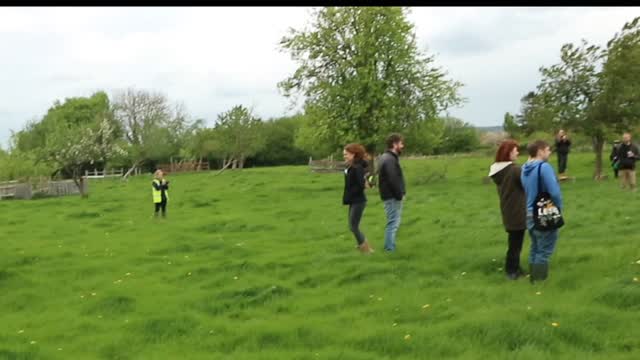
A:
(529, 178)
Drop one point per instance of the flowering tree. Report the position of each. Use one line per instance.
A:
(71, 146)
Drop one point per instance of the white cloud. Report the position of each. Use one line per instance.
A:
(214, 58)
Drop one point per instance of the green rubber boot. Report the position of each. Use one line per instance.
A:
(537, 272)
(544, 271)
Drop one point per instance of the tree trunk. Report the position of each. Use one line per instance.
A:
(598, 144)
(79, 181)
(221, 170)
(241, 162)
(135, 165)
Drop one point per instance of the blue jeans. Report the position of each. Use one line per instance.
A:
(393, 209)
(542, 243)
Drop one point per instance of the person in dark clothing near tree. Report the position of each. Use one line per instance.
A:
(353, 195)
(615, 164)
(506, 175)
(392, 188)
(562, 148)
(160, 191)
(627, 156)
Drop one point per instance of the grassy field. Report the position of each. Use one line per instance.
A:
(259, 264)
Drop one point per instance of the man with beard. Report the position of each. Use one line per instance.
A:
(392, 188)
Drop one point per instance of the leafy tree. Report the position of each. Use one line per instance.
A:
(201, 142)
(308, 140)
(459, 136)
(617, 103)
(593, 90)
(425, 137)
(79, 132)
(239, 134)
(151, 126)
(21, 165)
(279, 149)
(363, 76)
(510, 125)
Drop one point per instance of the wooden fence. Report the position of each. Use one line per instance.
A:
(101, 174)
(26, 190)
(66, 187)
(326, 166)
(184, 166)
(15, 190)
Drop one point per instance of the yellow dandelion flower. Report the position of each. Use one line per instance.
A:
(33, 342)
(425, 306)
(539, 293)
(555, 324)
(407, 337)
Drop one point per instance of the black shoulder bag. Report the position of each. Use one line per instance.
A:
(546, 215)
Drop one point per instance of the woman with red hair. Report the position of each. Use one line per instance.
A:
(354, 186)
(506, 175)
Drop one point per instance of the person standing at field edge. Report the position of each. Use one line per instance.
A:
(562, 148)
(355, 183)
(627, 156)
(613, 157)
(543, 243)
(392, 188)
(160, 191)
(506, 175)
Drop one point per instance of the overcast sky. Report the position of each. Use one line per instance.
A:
(213, 58)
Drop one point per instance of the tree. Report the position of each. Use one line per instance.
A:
(78, 133)
(279, 148)
(459, 136)
(363, 76)
(594, 90)
(150, 124)
(239, 135)
(201, 142)
(425, 137)
(510, 125)
(570, 89)
(618, 102)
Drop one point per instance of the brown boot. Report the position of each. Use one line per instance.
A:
(365, 248)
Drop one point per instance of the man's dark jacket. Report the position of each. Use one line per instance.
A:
(390, 178)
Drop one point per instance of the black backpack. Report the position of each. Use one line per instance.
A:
(546, 215)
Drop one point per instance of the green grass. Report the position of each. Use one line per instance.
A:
(260, 264)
